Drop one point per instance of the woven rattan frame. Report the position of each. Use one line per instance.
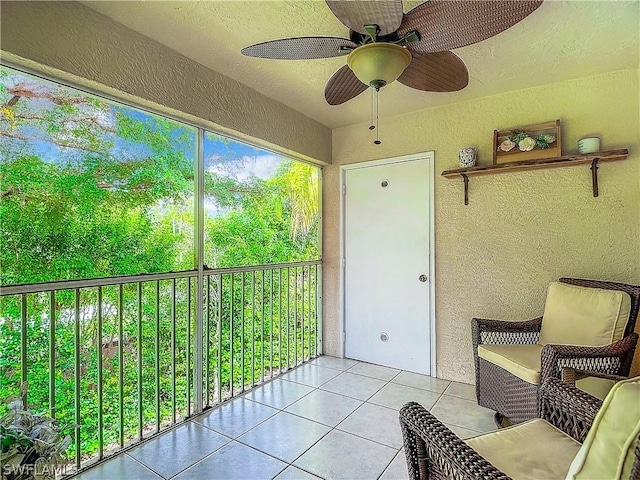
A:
(519, 399)
(516, 399)
(435, 452)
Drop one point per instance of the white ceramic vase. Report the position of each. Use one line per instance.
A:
(467, 157)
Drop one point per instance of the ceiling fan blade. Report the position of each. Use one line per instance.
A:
(435, 72)
(387, 14)
(445, 24)
(300, 48)
(343, 86)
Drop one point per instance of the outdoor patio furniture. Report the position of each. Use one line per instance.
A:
(576, 436)
(587, 324)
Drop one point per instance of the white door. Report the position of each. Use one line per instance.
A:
(387, 294)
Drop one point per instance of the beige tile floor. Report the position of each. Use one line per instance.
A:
(331, 418)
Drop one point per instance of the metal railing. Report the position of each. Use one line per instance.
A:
(115, 358)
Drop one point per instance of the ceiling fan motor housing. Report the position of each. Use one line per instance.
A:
(378, 64)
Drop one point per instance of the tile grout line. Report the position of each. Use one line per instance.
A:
(228, 443)
(388, 465)
(144, 465)
(362, 400)
(230, 439)
(366, 402)
(360, 436)
(368, 439)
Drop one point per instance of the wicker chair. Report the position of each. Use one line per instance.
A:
(516, 398)
(435, 452)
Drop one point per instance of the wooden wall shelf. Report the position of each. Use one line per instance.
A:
(564, 161)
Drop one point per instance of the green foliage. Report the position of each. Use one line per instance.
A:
(300, 183)
(270, 221)
(543, 141)
(58, 223)
(259, 232)
(518, 135)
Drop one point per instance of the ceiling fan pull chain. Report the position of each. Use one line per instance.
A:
(377, 140)
(371, 119)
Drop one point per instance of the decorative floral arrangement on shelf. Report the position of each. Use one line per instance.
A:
(525, 141)
(530, 142)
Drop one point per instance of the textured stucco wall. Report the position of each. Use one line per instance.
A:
(73, 42)
(495, 257)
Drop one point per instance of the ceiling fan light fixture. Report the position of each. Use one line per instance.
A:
(378, 64)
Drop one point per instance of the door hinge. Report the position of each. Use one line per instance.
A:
(344, 189)
(344, 263)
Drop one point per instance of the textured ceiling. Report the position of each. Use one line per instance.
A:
(559, 41)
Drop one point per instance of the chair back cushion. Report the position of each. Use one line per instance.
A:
(584, 316)
(609, 449)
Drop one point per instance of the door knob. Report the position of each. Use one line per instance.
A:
(422, 278)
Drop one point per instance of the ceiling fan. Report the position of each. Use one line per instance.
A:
(385, 44)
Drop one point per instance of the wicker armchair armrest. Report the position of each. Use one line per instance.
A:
(504, 332)
(571, 375)
(430, 446)
(567, 408)
(612, 359)
(489, 325)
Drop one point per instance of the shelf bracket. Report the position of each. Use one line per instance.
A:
(465, 179)
(594, 176)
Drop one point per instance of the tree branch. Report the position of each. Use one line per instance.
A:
(4, 133)
(59, 143)
(22, 90)
(10, 192)
(90, 119)
(12, 101)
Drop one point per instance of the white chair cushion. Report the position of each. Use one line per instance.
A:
(576, 315)
(532, 450)
(523, 361)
